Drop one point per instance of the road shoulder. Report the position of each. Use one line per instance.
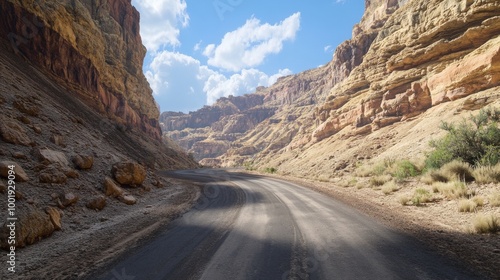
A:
(479, 252)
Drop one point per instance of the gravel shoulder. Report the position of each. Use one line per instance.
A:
(439, 225)
(95, 238)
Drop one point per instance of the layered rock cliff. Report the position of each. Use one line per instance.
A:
(63, 65)
(408, 65)
(92, 47)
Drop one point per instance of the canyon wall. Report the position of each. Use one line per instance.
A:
(92, 47)
(409, 65)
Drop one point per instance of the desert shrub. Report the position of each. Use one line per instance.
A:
(271, 170)
(487, 174)
(451, 190)
(494, 199)
(478, 200)
(466, 205)
(475, 141)
(389, 187)
(377, 168)
(404, 169)
(432, 176)
(484, 223)
(404, 200)
(457, 170)
(421, 196)
(377, 181)
(249, 166)
(363, 171)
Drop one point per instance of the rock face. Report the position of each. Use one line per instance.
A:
(408, 65)
(426, 54)
(63, 64)
(93, 47)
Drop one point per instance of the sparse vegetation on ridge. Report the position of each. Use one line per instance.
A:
(456, 169)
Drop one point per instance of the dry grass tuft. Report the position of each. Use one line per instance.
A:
(389, 187)
(486, 223)
(404, 200)
(494, 199)
(479, 200)
(348, 182)
(466, 205)
(421, 196)
(434, 176)
(457, 170)
(451, 190)
(380, 180)
(374, 169)
(487, 174)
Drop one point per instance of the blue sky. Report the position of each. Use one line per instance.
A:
(199, 51)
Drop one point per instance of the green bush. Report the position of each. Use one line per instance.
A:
(270, 170)
(405, 169)
(475, 141)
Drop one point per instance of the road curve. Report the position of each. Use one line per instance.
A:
(253, 227)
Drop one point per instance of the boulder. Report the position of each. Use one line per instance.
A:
(32, 225)
(12, 132)
(20, 174)
(97, 203)
(52, 175)
(37, 129)
(83, 162)
(52, 156)
(27, 107)
(67, 199)
(55, 217)
(128, 199)
(19, 155)
(111, 188)
(71, 173)
(129, 173)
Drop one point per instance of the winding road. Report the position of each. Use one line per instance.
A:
(254, 227)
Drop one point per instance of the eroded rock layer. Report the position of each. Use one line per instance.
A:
(92, 47)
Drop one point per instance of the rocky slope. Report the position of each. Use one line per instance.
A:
(409, 65)
(69, 159)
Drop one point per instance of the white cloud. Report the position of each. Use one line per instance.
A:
(197, 47)
(250, 44)
(161, 21)
(328, 48)
(247, 81)
(177, 81)
(180, 82)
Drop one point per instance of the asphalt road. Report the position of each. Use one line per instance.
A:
(252, 227)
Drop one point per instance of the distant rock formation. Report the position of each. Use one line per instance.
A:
(92, 47)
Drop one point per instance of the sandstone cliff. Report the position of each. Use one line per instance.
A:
(63, 64)
(92, 47)
(409, 65)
